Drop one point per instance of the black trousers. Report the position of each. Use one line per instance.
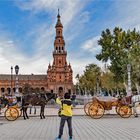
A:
(62, 123)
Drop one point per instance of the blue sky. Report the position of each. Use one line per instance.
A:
(27, 30)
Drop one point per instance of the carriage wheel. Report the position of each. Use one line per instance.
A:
(18, 109)
(125, 111)
(86, 107)
(11, 114)
(117, 109)
(19, 112)
(96, 110)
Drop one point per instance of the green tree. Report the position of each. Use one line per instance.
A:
(119, 48)
(88, 80)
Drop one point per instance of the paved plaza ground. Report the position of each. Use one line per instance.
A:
(110, 127)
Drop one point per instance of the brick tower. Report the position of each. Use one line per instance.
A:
(59, 74)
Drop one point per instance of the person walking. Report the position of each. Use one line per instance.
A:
(65, 114)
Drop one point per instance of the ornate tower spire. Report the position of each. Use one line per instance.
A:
(59, 74)
(59, 43)
(58, 24)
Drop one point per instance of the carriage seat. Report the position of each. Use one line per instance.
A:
(106, 101)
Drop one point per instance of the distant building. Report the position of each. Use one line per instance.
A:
(59, 75)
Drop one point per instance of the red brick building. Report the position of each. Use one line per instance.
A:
(59, 74)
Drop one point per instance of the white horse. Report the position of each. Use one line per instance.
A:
(135, 103)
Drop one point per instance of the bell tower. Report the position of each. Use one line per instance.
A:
(59, 53)
(59, 74)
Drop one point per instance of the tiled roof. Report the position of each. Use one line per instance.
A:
(23, 77)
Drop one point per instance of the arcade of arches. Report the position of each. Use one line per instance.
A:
(59, 74)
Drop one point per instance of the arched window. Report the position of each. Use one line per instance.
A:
(42, 88)
(8, 90)
(2, 90)
(58, 32)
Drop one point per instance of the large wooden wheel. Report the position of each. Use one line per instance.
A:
(96, 110)
(18, 109)
(11, 114)
(86, 107)
(19, 112)
(125, 111)
(117, 109)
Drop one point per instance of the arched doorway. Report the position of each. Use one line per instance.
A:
(2, 90)
(69, 91)
(8, 90)
(42, 89)
(60, 91)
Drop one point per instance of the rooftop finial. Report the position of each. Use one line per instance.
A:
(58, 16)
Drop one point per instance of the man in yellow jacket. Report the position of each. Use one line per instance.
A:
(66, 115)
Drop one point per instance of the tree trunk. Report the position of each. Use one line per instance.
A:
(138, 88)
(126, 87)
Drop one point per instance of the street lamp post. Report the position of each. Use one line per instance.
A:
(17, 84)
(129, 90)
(78, 90)
(11, 80)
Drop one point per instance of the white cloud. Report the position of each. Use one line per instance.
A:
(10, 55)
(68, 8)
(91, 45)
(128, 13)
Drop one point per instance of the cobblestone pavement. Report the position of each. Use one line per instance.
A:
(110, 127)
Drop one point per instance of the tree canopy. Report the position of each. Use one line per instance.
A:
(120, 48)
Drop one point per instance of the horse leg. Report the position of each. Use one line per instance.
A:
(23, 109)
(34, 110)
(43, 108)
(41, 112)
(26, 113)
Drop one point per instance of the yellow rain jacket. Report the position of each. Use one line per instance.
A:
(66, 106)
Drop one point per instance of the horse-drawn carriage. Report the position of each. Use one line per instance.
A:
(98, 105)
(10, 108)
